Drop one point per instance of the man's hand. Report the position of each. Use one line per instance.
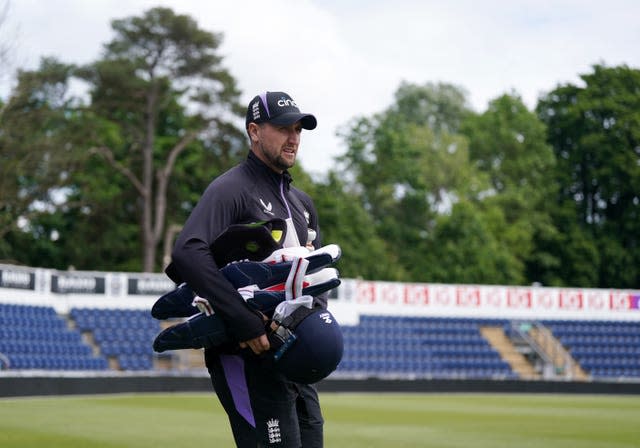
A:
(258, 345)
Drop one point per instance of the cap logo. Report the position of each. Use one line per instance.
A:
(277, 108)
(255, 110)
(282, 102)
(326, 317)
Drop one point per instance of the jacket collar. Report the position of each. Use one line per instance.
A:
(260, 167)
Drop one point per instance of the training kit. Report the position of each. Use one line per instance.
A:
(280, 282)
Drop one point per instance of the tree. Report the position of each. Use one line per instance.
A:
(507, 142)
(409, 166)
(441, 107)
(157, 64)
(5, 45)
(345, 222)
(40, 138)
(111, 174)
(595, 133)
(463, 249)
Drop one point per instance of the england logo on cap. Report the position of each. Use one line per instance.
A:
(255, 109)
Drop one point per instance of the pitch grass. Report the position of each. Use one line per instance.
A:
(352, 420)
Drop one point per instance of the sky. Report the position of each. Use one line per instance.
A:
(342, 59)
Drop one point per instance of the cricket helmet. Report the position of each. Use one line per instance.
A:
(308, 345)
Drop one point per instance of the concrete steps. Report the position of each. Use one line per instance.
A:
(563, 362)
(503, 345)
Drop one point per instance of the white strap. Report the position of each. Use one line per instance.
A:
(203, 305)
(287, 307)
(293, 286)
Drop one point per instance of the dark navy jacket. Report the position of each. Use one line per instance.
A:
(247, 193)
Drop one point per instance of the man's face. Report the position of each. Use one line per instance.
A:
(277, 146)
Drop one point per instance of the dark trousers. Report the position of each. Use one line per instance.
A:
(265, 409)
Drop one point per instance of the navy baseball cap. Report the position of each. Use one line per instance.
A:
(277, 108)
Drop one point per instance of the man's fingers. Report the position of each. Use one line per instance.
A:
(260, 344)
(257, 345)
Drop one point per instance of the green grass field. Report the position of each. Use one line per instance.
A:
(352, 420)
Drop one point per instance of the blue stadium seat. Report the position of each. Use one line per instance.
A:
(35, 337)
(126, 335)
(605, 349)
(438, 347)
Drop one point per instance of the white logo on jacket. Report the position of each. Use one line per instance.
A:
(267, 208)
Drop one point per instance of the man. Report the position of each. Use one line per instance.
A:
(264, 408)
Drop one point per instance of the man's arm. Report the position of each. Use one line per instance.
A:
(194, 262)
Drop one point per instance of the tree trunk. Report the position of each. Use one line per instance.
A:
(148, 237)
(170, 234)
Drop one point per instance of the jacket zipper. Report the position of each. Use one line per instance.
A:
(284, 199)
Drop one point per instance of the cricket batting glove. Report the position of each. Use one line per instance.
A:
(183, 302)
(265, 275)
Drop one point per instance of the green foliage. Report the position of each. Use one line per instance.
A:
(595, 133)
(344, 221)
(41, 135)
(157, 85)
(408, 164)
(462, 249)
(127, 166)
(508, 143)
(427, 190)
(485, 198)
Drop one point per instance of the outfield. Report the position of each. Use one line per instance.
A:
(352, 420)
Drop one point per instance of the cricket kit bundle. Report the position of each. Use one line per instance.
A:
(282, 283)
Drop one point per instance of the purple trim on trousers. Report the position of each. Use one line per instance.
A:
(233, 366)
